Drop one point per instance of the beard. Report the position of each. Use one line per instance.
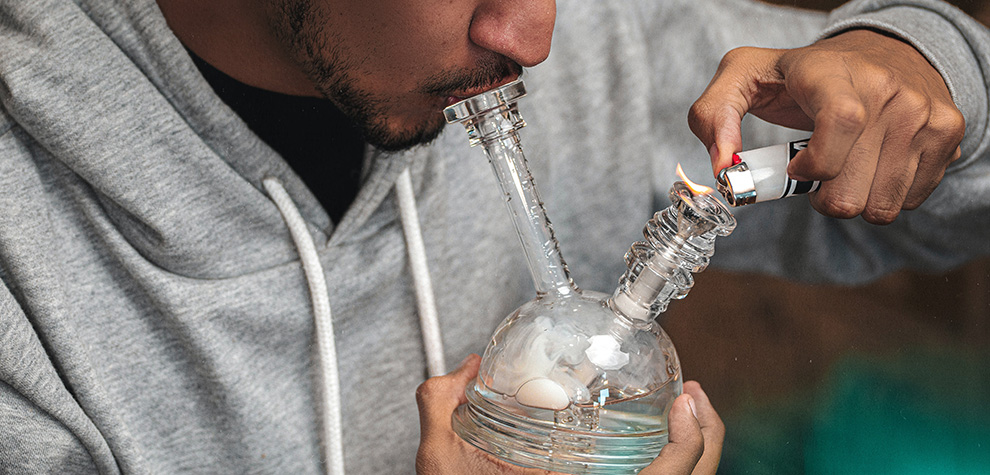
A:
(297, 23)
(371, 113)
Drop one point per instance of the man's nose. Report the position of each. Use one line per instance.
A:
(517, 29)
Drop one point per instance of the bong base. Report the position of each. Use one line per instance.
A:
(531, 443)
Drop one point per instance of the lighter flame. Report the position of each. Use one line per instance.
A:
(700, 189)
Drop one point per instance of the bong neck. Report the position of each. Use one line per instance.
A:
(492, 120)
(522, 200)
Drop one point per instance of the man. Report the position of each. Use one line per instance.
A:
(156, 315)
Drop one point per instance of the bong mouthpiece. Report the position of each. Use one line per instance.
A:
(489, 115)
(761, 175)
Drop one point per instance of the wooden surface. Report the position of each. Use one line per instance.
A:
(750, 338)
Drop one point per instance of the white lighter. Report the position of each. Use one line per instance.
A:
(761, 175)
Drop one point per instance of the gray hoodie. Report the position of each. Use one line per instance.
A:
(154, 314)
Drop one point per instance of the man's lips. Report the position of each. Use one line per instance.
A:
(458, 96)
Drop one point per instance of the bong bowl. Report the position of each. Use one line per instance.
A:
(566, 384)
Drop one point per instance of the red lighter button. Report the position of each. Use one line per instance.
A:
(735, 159)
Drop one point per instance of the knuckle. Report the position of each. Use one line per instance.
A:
(949, 123)
(914, 109)
(847, 114)
(735, 55)
(428, 389)
(914, 102)
(885, 201)
(881, 216)
(809, 58)
(885, 80)
(746, 57)
(699, 111)
(839, 207)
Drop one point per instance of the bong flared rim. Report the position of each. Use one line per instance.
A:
(704, 205)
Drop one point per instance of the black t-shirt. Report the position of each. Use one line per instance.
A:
(324, 148)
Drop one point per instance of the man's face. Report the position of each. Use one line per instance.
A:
(393, 65)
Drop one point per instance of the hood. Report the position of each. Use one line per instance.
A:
(110, 94)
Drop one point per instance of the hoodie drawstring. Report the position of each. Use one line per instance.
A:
(425, 301)
(332, 431)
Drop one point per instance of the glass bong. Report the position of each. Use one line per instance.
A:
(578, 381)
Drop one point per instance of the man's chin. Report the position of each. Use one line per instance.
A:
(387, 138)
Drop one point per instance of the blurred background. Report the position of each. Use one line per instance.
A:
(891, 377)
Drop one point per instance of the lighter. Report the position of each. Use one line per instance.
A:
(761, 175)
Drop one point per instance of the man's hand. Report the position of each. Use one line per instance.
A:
(885, 126)
(695, 445)
(441, 451)
(695, 442)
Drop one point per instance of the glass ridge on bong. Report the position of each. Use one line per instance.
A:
(579, 381)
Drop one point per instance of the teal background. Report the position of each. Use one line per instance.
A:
(925, 411)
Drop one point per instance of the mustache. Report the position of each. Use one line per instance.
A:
(490, 70)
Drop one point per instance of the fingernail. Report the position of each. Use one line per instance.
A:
(694, 410)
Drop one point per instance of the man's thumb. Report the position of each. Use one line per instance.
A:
(686, 444)
(437, 397)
